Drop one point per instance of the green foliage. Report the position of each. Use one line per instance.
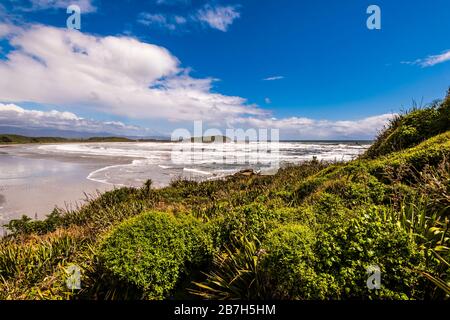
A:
(349, 246)
(152, 251)
(254, 220)
(288, 265)
(26, 225)
(235, 273)
(27, 270)
(410, 129)
(18, 139)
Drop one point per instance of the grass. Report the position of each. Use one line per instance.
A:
(308, 232)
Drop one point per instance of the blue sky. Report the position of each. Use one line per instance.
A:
(309, 68)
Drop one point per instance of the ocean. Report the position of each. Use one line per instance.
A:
(164, 162)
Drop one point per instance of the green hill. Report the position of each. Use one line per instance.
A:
(310, 231)
(408, 130)
(18, 139)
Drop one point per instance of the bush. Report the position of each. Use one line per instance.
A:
(253, 220)
(153, 251)
(27, 226)
(288, 265)
(348, 247)
(332, 262)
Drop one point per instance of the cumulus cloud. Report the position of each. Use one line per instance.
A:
(306, 128)
(219, 17)
(431, 60)
(12, 115)
(5, 30)
(123, 76)
(114, 75)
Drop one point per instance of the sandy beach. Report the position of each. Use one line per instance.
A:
(34, 185)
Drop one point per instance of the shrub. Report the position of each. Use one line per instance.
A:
(253, 220)
(288, 265)
(346, 248)
(153, 251)
(27, 226)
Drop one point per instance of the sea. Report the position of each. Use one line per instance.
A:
(163, 162)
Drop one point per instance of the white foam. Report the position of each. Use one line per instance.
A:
(105, 181)
(149, 157)
(197, 171)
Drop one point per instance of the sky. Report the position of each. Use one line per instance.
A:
(312, 69)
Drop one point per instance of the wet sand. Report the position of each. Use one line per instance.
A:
(34, 185)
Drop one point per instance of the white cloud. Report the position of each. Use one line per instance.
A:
(159, 20)
(267, 100)
(125, 77)
(273, 78)
(86, 6)
(306, 128)
(218, 17)
(114, 75)
(180, 20)
(12, 115)
(5, 30)
(431, 60)
(436, 59)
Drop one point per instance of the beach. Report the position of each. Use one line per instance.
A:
(34, 179)
(34, 186)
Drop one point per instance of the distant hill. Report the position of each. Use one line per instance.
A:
(71, 134)
(19, 139)
(50, 132)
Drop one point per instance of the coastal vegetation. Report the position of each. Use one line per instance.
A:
(311, 231)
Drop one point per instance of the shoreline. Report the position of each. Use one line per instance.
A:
(34, 185)
(35, 180)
